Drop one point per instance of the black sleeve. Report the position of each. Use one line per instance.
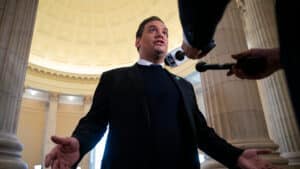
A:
(199, 19)
(212, 144)
(215, 146)
(92, 127)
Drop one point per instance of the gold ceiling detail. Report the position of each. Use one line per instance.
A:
(83, 38)
(44, 70)
(50, 81)
(42, 78)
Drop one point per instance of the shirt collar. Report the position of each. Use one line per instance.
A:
(145, 62)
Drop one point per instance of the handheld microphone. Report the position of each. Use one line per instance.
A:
(202, 66)
(175, 58)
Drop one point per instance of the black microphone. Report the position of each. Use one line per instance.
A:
(179, 55)
(202, 66)
(174, 60)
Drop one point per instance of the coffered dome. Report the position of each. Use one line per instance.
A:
(87, 37)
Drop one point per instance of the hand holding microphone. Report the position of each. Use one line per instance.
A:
(180, 54)
(197, 53)
(248, 67)
(177, 57)
(256, 63)
(251, 64)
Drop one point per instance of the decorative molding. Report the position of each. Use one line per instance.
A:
(45, 70)
(48, 80)
(241, 5)
(88, 100)
(51, 80)
(53, 96)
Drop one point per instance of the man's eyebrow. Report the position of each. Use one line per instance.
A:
(151, 26)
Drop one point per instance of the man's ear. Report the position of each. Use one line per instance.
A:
(137, 43)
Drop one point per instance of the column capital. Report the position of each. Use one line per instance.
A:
(87, 99)
(24, 89)
(53, 96)
(241, 5)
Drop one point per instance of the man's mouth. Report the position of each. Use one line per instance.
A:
(159, 42)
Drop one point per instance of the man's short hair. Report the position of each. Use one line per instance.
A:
(141, 27)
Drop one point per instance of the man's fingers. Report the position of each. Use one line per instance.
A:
(55, 165)
(263, 151)
(193, 55)
(241, 55)
(191, 52)
(60, 140)
(49, 159)
(236, 56)
(230, 72)
(65, 165)
(61, 164)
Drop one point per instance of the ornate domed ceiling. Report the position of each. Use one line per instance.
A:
(91, 36)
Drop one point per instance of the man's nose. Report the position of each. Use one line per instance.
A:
(160, 34)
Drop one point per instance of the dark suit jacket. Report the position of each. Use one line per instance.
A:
(120, 101)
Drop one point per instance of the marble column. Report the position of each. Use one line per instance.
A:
(233, 106)
(16, 28)
(50, 128)
(261, 32)
(87, 104)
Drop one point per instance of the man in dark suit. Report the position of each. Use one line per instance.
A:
(152, 116)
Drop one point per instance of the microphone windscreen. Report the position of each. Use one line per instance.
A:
(179, 55)
(200, 66)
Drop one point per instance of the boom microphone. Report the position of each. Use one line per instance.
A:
(202, 66)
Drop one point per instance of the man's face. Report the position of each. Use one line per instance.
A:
(153, 44)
